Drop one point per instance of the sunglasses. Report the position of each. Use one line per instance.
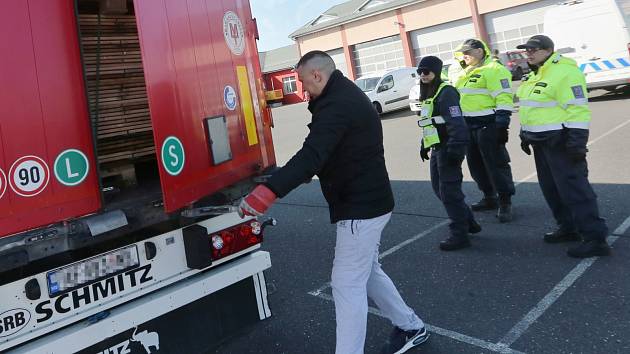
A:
(424, 72)
(532, 50)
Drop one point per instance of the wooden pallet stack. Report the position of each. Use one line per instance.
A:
(117, 94)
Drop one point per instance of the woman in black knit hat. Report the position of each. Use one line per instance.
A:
(445, 134)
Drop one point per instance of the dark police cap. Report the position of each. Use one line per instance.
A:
(471, 44)
(537, 42)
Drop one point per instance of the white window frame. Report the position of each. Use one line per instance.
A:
(289, 80)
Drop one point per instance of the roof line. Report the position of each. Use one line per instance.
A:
(294, 36)
(360, 6)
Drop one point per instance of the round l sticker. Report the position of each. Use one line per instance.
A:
(71, 167)
(233, 33)
(29, 176)
(229, 97)
(173, 155)
(3, 183)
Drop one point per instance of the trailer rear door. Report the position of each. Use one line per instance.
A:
(47, 166)
(210, 122)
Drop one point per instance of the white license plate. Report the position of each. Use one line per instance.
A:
(93, 269)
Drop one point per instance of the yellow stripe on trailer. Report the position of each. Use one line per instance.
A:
(247, 106)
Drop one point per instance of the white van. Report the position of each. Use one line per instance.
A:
(594, 33)
(390, 91)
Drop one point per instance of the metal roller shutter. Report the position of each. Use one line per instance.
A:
(340, 60)
(511, 27)
(442, 39)
(378, 56)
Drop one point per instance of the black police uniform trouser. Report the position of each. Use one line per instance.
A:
(489, 161)
(566, 188)
(446, 179)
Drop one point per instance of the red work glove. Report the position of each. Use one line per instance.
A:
(257, 202)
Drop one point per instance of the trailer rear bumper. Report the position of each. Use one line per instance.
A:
(190, 316)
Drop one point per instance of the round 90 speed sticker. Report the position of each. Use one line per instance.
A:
(29, 176)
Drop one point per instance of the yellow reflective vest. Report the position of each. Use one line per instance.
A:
(485, 88)
(554, 97)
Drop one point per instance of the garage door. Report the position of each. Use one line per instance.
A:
(441, 40)
(340, 60)
(511, 27)
(378, 56)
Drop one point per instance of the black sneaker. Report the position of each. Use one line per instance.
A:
(592, 248)
(486, 203)
(454, 243)
(559, 236)
(400, 341)
(474, 227)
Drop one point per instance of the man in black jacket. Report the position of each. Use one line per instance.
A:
(344, 148)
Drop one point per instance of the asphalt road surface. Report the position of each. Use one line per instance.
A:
(509, 293)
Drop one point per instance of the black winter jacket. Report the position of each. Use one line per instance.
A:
(454, 133)
(344, 148)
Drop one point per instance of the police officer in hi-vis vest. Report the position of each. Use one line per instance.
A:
(555, 121)
(445, 134)
(487, 102)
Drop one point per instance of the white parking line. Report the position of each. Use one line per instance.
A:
(446, 333)
(319, 290)
(521, 327)
(608, 133)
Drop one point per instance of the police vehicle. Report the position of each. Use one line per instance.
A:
(596, 34)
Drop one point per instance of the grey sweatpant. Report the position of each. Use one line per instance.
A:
(357, 274)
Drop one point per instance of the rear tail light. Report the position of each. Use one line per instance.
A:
(628, 49)
(236, 239)
(510, 64)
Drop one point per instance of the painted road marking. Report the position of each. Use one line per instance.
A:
(445, 332)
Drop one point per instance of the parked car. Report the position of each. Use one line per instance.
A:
(368, 83)
(516, 62)
(390, 91)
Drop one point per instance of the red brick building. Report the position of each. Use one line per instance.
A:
(277, 67)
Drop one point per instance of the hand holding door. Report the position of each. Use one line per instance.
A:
(257, 202)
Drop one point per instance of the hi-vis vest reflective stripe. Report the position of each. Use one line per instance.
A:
(485, 89)
(554, 97)
(430, 135)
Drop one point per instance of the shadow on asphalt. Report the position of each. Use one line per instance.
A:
(602, 95)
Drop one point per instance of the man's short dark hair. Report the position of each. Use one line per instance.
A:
(320, 60)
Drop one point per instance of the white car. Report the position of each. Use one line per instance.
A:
(390, 91)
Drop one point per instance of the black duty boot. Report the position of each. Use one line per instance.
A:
(590, 248)
(486, 203)
(561, 236)
(505, 208)
(474, 227)
(454, 243)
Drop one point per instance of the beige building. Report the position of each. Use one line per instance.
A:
(369, 36)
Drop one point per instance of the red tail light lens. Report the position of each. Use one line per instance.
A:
(236, 239)
(510, 64)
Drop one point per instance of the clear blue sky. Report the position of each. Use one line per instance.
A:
(279, 18)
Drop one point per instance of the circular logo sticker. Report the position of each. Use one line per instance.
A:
(3, 183)
(29, 176)
(173, 155)
(71, 167)
(229, 97)
(233, 33)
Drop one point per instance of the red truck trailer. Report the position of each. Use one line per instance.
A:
(129, 129)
